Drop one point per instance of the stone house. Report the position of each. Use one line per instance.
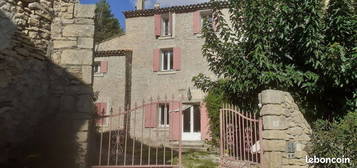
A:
(166, 53)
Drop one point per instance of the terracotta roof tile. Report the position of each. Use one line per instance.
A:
(176, 9)
(109, 53)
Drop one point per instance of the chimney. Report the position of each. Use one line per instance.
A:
(140, 4)
(157, 6)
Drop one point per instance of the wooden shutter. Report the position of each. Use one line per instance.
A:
(174, 117)
(103, 66)
(150, 111)
(196, 22)
(157, 23)
(177, 59)
(101, 109)
(205, 134)
(156, 60)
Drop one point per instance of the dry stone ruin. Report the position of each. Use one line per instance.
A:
(46, 106)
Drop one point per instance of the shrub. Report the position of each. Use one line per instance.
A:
(336, 139)
(214, 101)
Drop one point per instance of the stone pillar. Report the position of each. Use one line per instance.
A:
(285, 131)
(73, 50)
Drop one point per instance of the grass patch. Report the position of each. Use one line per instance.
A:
(199, 160)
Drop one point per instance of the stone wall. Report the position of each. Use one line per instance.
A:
(45, 87)
(286, 133)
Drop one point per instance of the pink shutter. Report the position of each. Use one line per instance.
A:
(177, 59)
(157, 22)
(171, 23)
(196, 22)
(150, 111)
(205, 134)
(99, 113)
(156, 60)
(103, 66)
(174, 121)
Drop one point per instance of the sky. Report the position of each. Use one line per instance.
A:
(118, 6)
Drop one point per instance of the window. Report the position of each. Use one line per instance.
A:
(167, 60)
(164, 115)
(206, 16)
(166, 27)
(96, 67)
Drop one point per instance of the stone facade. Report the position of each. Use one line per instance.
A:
(45, 88)
(146, 84)
(286, 133)
(110, 86)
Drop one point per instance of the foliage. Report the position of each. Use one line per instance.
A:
(336, 139)
(198, 160)
(290, 45)
(214, 101)
(105, 23)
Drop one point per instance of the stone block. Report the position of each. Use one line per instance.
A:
(274, 134)
(74, 30)
(71, 56)
(84, 21)
(87, 74)
(85, 43)
(274, 122)
(271, 109)
(64, 44)
(272, 159)
(274, 145)
(271, 97)
(85, 11)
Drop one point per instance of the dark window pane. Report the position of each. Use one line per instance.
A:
(171, 60)
(167, 115)
(162, 114)
(186, 120)
(165, 60)
(166, 26)
(196, 119)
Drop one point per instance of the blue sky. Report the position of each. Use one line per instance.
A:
(118, 6)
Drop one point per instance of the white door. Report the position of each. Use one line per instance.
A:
(191, 130)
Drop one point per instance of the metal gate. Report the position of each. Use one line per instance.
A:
(240, 141)
(127, 140)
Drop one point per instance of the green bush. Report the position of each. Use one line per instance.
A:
(336, 139)
(214, 101)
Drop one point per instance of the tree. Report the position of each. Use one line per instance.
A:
(106, 24)
(290, 45)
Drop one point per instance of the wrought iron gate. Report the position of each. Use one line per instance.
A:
(240, 141)
(127, 140)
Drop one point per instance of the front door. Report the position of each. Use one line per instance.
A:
(191, 130)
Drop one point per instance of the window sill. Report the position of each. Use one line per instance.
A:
(166, 72)
(161, 129)
(165, 37)
(98, 74)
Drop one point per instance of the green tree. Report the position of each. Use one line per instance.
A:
(106, 24)
(290, 45)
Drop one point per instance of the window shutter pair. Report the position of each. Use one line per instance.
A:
(103, 66)
(101, 109)
(176, 61)
(157, 24)
(151, 113)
